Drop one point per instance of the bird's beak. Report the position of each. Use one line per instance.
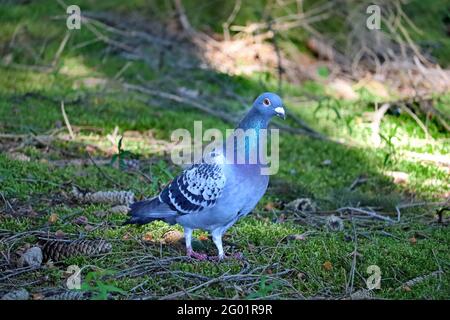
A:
(280, 112)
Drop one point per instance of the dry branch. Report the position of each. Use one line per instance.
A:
(420, 279)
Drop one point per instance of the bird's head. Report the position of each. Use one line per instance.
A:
(270, 104)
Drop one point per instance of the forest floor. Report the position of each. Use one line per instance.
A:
(288, 253)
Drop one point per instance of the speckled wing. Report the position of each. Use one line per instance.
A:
(195, 189)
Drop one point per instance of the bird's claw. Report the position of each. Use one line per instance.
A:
(237, 256)
(196, 255)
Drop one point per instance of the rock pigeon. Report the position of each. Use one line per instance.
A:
(213, 195)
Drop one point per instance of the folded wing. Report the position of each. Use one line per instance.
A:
(195, 189)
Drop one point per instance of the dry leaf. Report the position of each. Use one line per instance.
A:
(375, 87)
(269, 206)
(172, 236)
(342, 89)
(413, 240)
(445, 195)
(398, 176)
(53, 218)
(81, 220)
(327, 265)
(90, 149)
(147, 236)
(298, 237)
(37, 296)
(60, 234)
(407, 288)
(126, 236)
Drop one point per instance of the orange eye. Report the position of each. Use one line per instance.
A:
(266, 102)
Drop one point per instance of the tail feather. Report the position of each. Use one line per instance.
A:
(146, 211)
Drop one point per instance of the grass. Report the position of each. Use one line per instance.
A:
(30, 104)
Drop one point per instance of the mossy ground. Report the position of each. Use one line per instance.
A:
(30, 104)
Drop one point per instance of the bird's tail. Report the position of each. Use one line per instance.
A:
(146, 211)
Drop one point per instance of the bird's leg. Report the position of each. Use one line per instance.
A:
(191, 253)
(217, 238)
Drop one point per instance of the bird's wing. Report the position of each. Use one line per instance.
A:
(195, 189)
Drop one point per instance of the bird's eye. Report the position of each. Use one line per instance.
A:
(266, 102)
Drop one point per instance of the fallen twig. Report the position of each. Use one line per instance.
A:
(377, 117)
(66, 121)
(367, 212)
(7, 204)
(177, 98)
(420, 279)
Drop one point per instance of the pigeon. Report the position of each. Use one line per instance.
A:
(212, 195)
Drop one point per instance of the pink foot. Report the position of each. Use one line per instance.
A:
(199, 256)
(238, 256)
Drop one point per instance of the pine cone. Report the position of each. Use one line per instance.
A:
(334, 223)
(57, 250)
(20, 294)
(302, 205)
(109, 197)
(68, 295)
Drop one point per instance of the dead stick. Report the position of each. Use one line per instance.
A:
(67, 122)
